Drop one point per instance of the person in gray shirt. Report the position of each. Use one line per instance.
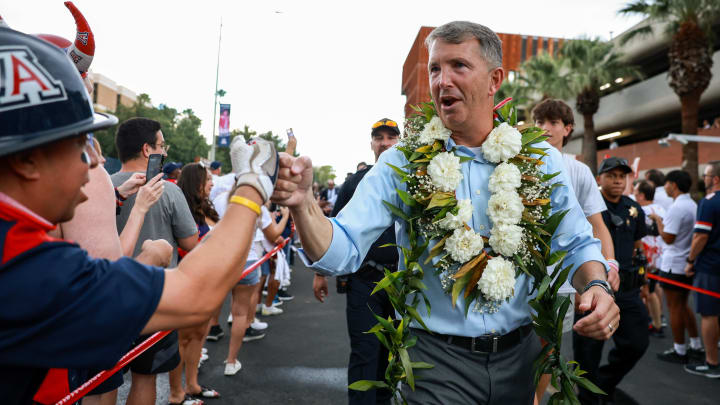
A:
(169, 219)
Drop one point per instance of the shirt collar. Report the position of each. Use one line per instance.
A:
(465, 151)
(19, 211)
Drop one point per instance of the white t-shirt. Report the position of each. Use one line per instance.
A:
(221, 184)
(661, 198)
(679, 220)
(653, 244)
(264, 220)
(584, 186)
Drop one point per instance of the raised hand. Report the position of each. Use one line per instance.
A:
(294, 183)
(150, 193)
(131, 185)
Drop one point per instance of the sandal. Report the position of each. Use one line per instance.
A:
(206, 392)
(188, 400)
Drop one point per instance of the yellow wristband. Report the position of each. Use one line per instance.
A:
(244, 201)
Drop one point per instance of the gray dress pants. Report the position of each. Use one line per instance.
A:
(463, 377)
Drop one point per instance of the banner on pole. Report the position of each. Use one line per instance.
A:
(224, 126)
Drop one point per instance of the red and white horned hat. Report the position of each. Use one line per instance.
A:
(83, 49)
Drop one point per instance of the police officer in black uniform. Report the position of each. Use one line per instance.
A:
(368, 357)
(625, 220)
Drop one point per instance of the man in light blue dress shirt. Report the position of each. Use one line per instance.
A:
(465, 73)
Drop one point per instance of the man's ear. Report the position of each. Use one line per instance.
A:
(496, 78)
(146, 151)
(25, 164)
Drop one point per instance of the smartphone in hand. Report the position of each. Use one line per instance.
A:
(155, 162)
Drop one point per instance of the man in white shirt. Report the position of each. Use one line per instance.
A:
(676, 229)
(657, 178)
(644, 193)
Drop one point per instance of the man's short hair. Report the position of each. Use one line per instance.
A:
(656, 177)
(714, 168)
(133, 134)
(553, 109)
(646, 189)
(361, 164)
(681, 178)
(457, 32)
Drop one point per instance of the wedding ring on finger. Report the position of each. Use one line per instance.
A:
(612, 329)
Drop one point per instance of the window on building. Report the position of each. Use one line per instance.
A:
(523, 52)
(556, 45)
(545, 45)
(95, 92)
(534, 46)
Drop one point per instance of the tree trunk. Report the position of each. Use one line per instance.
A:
(689, 112)
(589, 147)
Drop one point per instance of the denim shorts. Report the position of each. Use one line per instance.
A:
(252, 278)
(265, 268)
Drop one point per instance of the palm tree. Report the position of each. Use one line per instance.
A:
(592, 63)
(689, 28)
(545, 75)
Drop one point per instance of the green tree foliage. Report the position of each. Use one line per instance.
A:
(181, 130)
(592, 63)
(689, 30)
(321, 174)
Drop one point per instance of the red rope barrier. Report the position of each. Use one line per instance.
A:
(683, 285)
(98, 379)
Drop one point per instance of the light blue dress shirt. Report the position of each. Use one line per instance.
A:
(365, 217)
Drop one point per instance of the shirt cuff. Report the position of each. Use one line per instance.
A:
(333, 261)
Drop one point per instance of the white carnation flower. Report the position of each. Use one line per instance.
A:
(434, 130)
(498, 279)
(463, 245)
(464, 215)
(505, 207)
(505, 177)
(503, 143)
(506, 239)
(444, 170)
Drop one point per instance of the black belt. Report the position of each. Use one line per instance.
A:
(485, 343)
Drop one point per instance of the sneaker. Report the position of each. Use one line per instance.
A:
(272, 310)
(230, 319)
(671, 356)
(204, 350)
(258, 324)
(656, 332)
(276, 302)
(204, 357)
(215, 333)
(704, 369)
(252, 334)
(232, 368)
(663, 322)
(283, 295)
(696, 354)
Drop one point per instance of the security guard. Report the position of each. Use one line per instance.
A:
(368, 358)
(625, 220)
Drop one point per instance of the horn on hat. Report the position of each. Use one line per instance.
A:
(83, 49)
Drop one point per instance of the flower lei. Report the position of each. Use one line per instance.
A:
(519, 243)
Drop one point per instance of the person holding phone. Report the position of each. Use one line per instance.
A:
(139, 141)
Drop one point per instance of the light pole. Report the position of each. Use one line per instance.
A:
(220, 93)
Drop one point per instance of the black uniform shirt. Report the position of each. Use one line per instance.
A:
(386, 255)
(626, 222)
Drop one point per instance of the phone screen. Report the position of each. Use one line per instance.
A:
(290, 132)
(154, 166)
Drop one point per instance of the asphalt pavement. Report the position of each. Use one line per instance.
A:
(303, 360)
